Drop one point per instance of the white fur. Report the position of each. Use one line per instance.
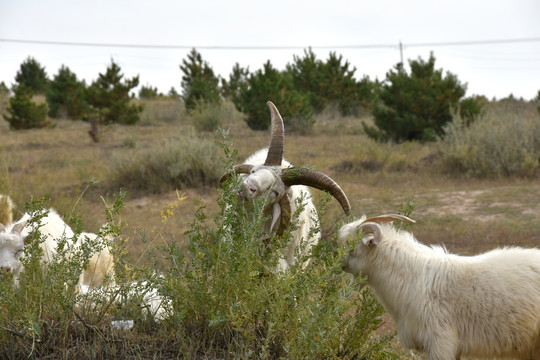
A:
(53, 228)
(265, 181)
(448, 305)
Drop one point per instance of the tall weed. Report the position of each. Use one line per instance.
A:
(504, 141)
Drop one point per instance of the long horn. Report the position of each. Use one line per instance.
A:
(277, 137)
(383, 219)
(302, 176)
(237, 169)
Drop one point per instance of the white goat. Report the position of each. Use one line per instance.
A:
(265, 173)
(448, 305)
(14, 237)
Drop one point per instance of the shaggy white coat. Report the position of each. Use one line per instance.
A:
(449, 305)
(53, 228)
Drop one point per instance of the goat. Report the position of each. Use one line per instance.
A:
(14, 237)
(448, 305)
(265, 173)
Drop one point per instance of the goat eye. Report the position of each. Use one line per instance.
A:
(351, 252)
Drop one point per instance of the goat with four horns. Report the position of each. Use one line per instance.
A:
(266, 173)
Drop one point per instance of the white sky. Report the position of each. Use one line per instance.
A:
(493, 70)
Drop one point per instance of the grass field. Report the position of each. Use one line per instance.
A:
(467, 214)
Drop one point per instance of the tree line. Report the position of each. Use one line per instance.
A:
(406, 105)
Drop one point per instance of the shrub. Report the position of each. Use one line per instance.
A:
(175, 163)
(23, 112)
(66, 94)
(198, 82)
(208, 117)
(271, 84)
(504, 141)
(416, 106)
(230, 303)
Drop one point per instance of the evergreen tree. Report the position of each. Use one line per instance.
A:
(271, 84)
(416, 106)
(173, 94)
(148, 92)
(237, 81)
(67, 94)
(33, 76)
(109, 96)
(330, 82)
(4, 90)
(199, 84)
(23, 113)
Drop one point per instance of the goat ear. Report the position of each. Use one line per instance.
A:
(373, 231)
(2, 227)
(369, 241)
(18, 228)
(383, 219)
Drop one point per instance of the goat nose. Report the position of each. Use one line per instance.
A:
(5, 269)
(250, 189)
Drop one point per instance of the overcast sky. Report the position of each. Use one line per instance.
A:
(366, 33)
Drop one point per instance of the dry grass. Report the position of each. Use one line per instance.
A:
(467, 214)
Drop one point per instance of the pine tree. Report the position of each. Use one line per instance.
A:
(23, 113)
(33, 76)
(109, 95)
(237, 81)
(199, 83)
(276, 86)
(416, 106)
(67, 94)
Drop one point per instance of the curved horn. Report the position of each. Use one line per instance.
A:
(237, 169)
(302, 176)
(383, 219)
(285, 204)
(275, 150)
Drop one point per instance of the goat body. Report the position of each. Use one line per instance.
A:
(448, 305)
(52, 228)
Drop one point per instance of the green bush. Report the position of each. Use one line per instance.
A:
(175, 163)
(66, 95)
(504, 141)
(226, 300)
(276, 86)
(229, 302)
(23, 113)
(416, 106)
(199, 83)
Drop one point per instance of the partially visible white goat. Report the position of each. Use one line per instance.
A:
(448, 305)
(265, 173)
(52, 227)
